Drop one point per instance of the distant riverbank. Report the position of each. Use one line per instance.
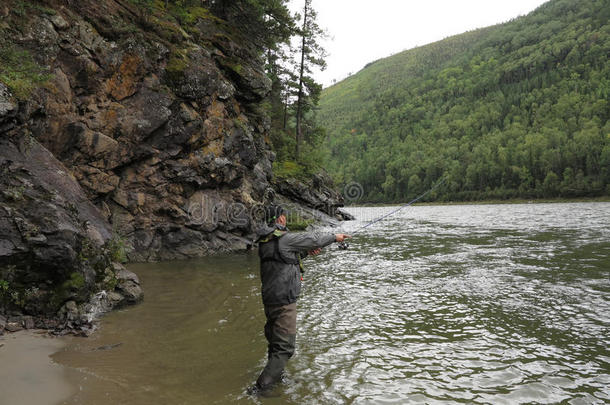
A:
(482, 202)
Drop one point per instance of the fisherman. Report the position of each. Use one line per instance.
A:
(280, 253)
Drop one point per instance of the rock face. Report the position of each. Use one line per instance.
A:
(316, 198)
(153, 130)
(53, 242)
(145, 136)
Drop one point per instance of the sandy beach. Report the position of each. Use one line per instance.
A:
(28, 376)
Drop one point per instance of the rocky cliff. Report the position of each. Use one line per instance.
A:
(132, 134)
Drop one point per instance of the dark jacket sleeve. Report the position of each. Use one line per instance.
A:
(302, 242)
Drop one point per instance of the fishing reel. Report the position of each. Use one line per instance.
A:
(343, 245)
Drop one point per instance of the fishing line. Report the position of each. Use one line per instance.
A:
(345, 245)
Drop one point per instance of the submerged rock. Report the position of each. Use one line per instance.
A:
(107, 347)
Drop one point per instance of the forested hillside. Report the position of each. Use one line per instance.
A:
(514, 110)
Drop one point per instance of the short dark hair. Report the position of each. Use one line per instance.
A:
(273, 212)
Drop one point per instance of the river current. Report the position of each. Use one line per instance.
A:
(436, 304)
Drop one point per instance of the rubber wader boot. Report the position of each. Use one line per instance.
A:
(281, 349)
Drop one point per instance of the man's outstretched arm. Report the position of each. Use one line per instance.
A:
(306, 241)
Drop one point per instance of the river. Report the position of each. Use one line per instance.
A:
(435, 304)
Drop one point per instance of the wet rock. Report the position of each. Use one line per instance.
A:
(14, 324)
(182, 242)
(28, 322)
(47, 323)
(114, 299)
(128, 284)
(131, 291)
(85, 331)
(69, 312)
(13, 327)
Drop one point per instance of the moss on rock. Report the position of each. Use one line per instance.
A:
(19, 71)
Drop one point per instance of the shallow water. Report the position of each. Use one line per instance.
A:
(436, 304)
(27, 374)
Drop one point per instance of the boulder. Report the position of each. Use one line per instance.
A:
(59, 22)
(14, 324)
(28, 322)
(128, 284)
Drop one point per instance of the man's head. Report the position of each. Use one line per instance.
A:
(275, 214)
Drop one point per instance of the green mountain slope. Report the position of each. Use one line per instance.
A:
(514, 110)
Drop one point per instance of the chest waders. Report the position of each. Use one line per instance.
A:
(280, 329)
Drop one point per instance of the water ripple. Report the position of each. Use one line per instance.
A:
(485, 304)
(481, 304)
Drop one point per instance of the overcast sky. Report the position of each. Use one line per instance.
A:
(362, 31)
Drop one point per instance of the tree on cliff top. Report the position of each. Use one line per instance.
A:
(312, 55)
(267, 24)
(267, 28)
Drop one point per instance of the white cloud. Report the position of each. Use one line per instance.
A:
(363, 30)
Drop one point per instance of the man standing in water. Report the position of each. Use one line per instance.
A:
(281, 253)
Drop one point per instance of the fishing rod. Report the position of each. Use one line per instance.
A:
(344, 245)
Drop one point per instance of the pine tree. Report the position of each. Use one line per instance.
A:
(312, 55)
